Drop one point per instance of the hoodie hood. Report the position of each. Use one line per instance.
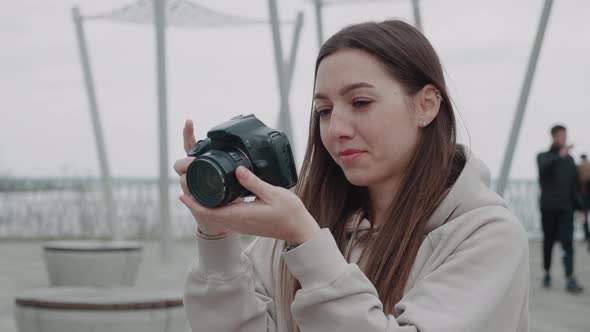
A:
(471, 191)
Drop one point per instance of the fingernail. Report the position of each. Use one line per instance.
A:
(242, 172)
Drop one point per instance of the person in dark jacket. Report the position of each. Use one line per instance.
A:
(558, 178)
(584, 186)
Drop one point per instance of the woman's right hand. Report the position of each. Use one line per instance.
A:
(180, 166)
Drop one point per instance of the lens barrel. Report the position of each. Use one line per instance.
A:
(211, 177)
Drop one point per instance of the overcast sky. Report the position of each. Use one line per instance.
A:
(213, 74)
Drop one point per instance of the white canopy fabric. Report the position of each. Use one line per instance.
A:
(180, 13)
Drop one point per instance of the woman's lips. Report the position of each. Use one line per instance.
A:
(348, 156)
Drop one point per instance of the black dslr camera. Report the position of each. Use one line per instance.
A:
(246, 141)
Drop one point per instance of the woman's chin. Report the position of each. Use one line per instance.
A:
(357, 178)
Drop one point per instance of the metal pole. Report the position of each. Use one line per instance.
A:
(417, 15)
(319, 21)
(105, 173)
(284, 114)
(160, 25)
(524, 95)
(294, 46)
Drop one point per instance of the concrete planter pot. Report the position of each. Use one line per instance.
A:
(103, 309)
(92, 263)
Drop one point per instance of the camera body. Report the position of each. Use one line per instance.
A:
(244, 140)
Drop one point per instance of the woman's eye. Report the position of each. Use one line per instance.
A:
(322, 113)
(360, 103)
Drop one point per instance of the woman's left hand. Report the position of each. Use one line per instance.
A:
(276, 212)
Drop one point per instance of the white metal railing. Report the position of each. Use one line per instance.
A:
(74, 208)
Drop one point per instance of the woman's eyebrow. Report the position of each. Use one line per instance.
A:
(345, 89)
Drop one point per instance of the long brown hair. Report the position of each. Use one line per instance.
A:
(332, 200)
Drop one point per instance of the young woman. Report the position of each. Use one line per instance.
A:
(392, 226)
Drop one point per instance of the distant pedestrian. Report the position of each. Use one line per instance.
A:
(558, 178)
(584, 187)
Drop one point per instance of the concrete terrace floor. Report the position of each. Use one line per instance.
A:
(553, 310)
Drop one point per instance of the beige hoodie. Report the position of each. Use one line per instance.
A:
(471, 273)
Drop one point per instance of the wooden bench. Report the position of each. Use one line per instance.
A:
(61, 309)
(92, 263)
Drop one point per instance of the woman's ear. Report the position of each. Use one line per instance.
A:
(428, 104)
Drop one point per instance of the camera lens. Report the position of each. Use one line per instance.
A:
(208, 185)
(211, 177)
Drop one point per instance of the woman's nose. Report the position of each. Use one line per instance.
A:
(340, 126)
